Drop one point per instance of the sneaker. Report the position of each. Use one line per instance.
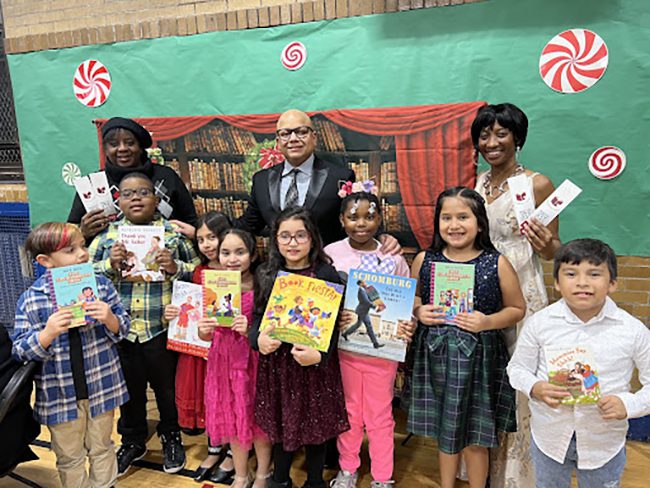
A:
(382, 484)
(173, 452)
(127, 454)
(344, 479)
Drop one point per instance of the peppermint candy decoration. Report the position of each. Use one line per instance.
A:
(91, 83)
(573, 61)
(294, 55)
(607, 162)
(69, 172)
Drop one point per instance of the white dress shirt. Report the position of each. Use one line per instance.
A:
(618, 342)
(303, 179)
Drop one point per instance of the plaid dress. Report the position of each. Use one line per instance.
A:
(460, 392)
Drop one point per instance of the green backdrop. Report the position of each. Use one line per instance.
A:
(485, 51)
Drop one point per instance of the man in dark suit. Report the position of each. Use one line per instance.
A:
(302, 180)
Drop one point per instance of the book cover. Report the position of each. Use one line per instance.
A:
(142, 244)
(72, 288)
(453, 288)
(379, 303)
(574, 368)
(222, 295)
(303, 310)
(183, 331)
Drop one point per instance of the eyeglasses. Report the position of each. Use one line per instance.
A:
(128, 194)
(301, 237)
(301, 133)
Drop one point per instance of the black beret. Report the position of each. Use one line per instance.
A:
(140, 133)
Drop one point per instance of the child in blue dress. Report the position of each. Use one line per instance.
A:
(460, 395)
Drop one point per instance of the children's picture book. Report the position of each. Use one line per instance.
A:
(183, 331)
(573, 367)
(453, 288)
(379, 303)
(222, 295)
(142, 242)
(303, 310)
(73, 287)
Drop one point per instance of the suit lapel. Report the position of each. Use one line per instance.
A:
(318, 177)
(275, 174)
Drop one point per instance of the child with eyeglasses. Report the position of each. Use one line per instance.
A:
(299, 400)
(144, 355)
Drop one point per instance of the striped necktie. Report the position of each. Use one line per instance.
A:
(291, 198)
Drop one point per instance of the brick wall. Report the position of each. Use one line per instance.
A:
(633, 293)
(34, 25)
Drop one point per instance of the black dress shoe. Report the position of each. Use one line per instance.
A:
(221, 475)
(202, 474)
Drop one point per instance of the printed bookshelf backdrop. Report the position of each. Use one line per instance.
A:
(412, 153)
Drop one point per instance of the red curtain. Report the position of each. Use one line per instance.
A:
(432, 144)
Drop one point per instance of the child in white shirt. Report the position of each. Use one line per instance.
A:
(591, 437)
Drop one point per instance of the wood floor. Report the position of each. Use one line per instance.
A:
(416, 464)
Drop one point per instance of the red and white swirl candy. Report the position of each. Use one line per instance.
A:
(294, 55)
(573, 61)
(91, 83)
(607, 162)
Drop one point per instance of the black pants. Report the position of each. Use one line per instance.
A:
(142, 363)
(315, 454)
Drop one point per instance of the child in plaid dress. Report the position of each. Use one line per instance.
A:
(460, 395)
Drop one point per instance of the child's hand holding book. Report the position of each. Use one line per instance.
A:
(101, 312)
(171, 312)
(165, 260)
(549, 393)
(206, 328)
(56, 325)
(266, 343)
(305, 355)
(345, 320)
(429, 314)
(240, 324)
(118, 256)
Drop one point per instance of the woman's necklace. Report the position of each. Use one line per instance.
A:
(490, 189)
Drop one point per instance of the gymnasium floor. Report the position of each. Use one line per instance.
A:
(416, 464)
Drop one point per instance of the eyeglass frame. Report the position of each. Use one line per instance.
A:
(286, 137)
(142, 192)
(293, 237)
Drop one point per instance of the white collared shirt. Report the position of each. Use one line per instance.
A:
(305, 171)
(618, 342)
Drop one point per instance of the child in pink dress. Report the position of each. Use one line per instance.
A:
(367, 381)
(232, 370)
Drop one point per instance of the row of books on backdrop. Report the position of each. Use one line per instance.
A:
(216, 175)
(219, 139)
(387, 175)
(231, 206)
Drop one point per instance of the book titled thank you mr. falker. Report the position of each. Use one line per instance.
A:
(73, 287)
(303, 310)
(183, 331)
(573, 367)
(379, 304)
(453, 288)
(142, 242)
(222, 295)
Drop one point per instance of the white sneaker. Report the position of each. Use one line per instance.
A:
(382, 484)
(344, 480)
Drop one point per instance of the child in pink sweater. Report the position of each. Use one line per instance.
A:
(367, 381)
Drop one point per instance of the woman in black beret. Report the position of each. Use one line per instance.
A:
(124, 142)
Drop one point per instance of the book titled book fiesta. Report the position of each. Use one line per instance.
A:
(379, 303)
(73, 287)
(303, 310)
